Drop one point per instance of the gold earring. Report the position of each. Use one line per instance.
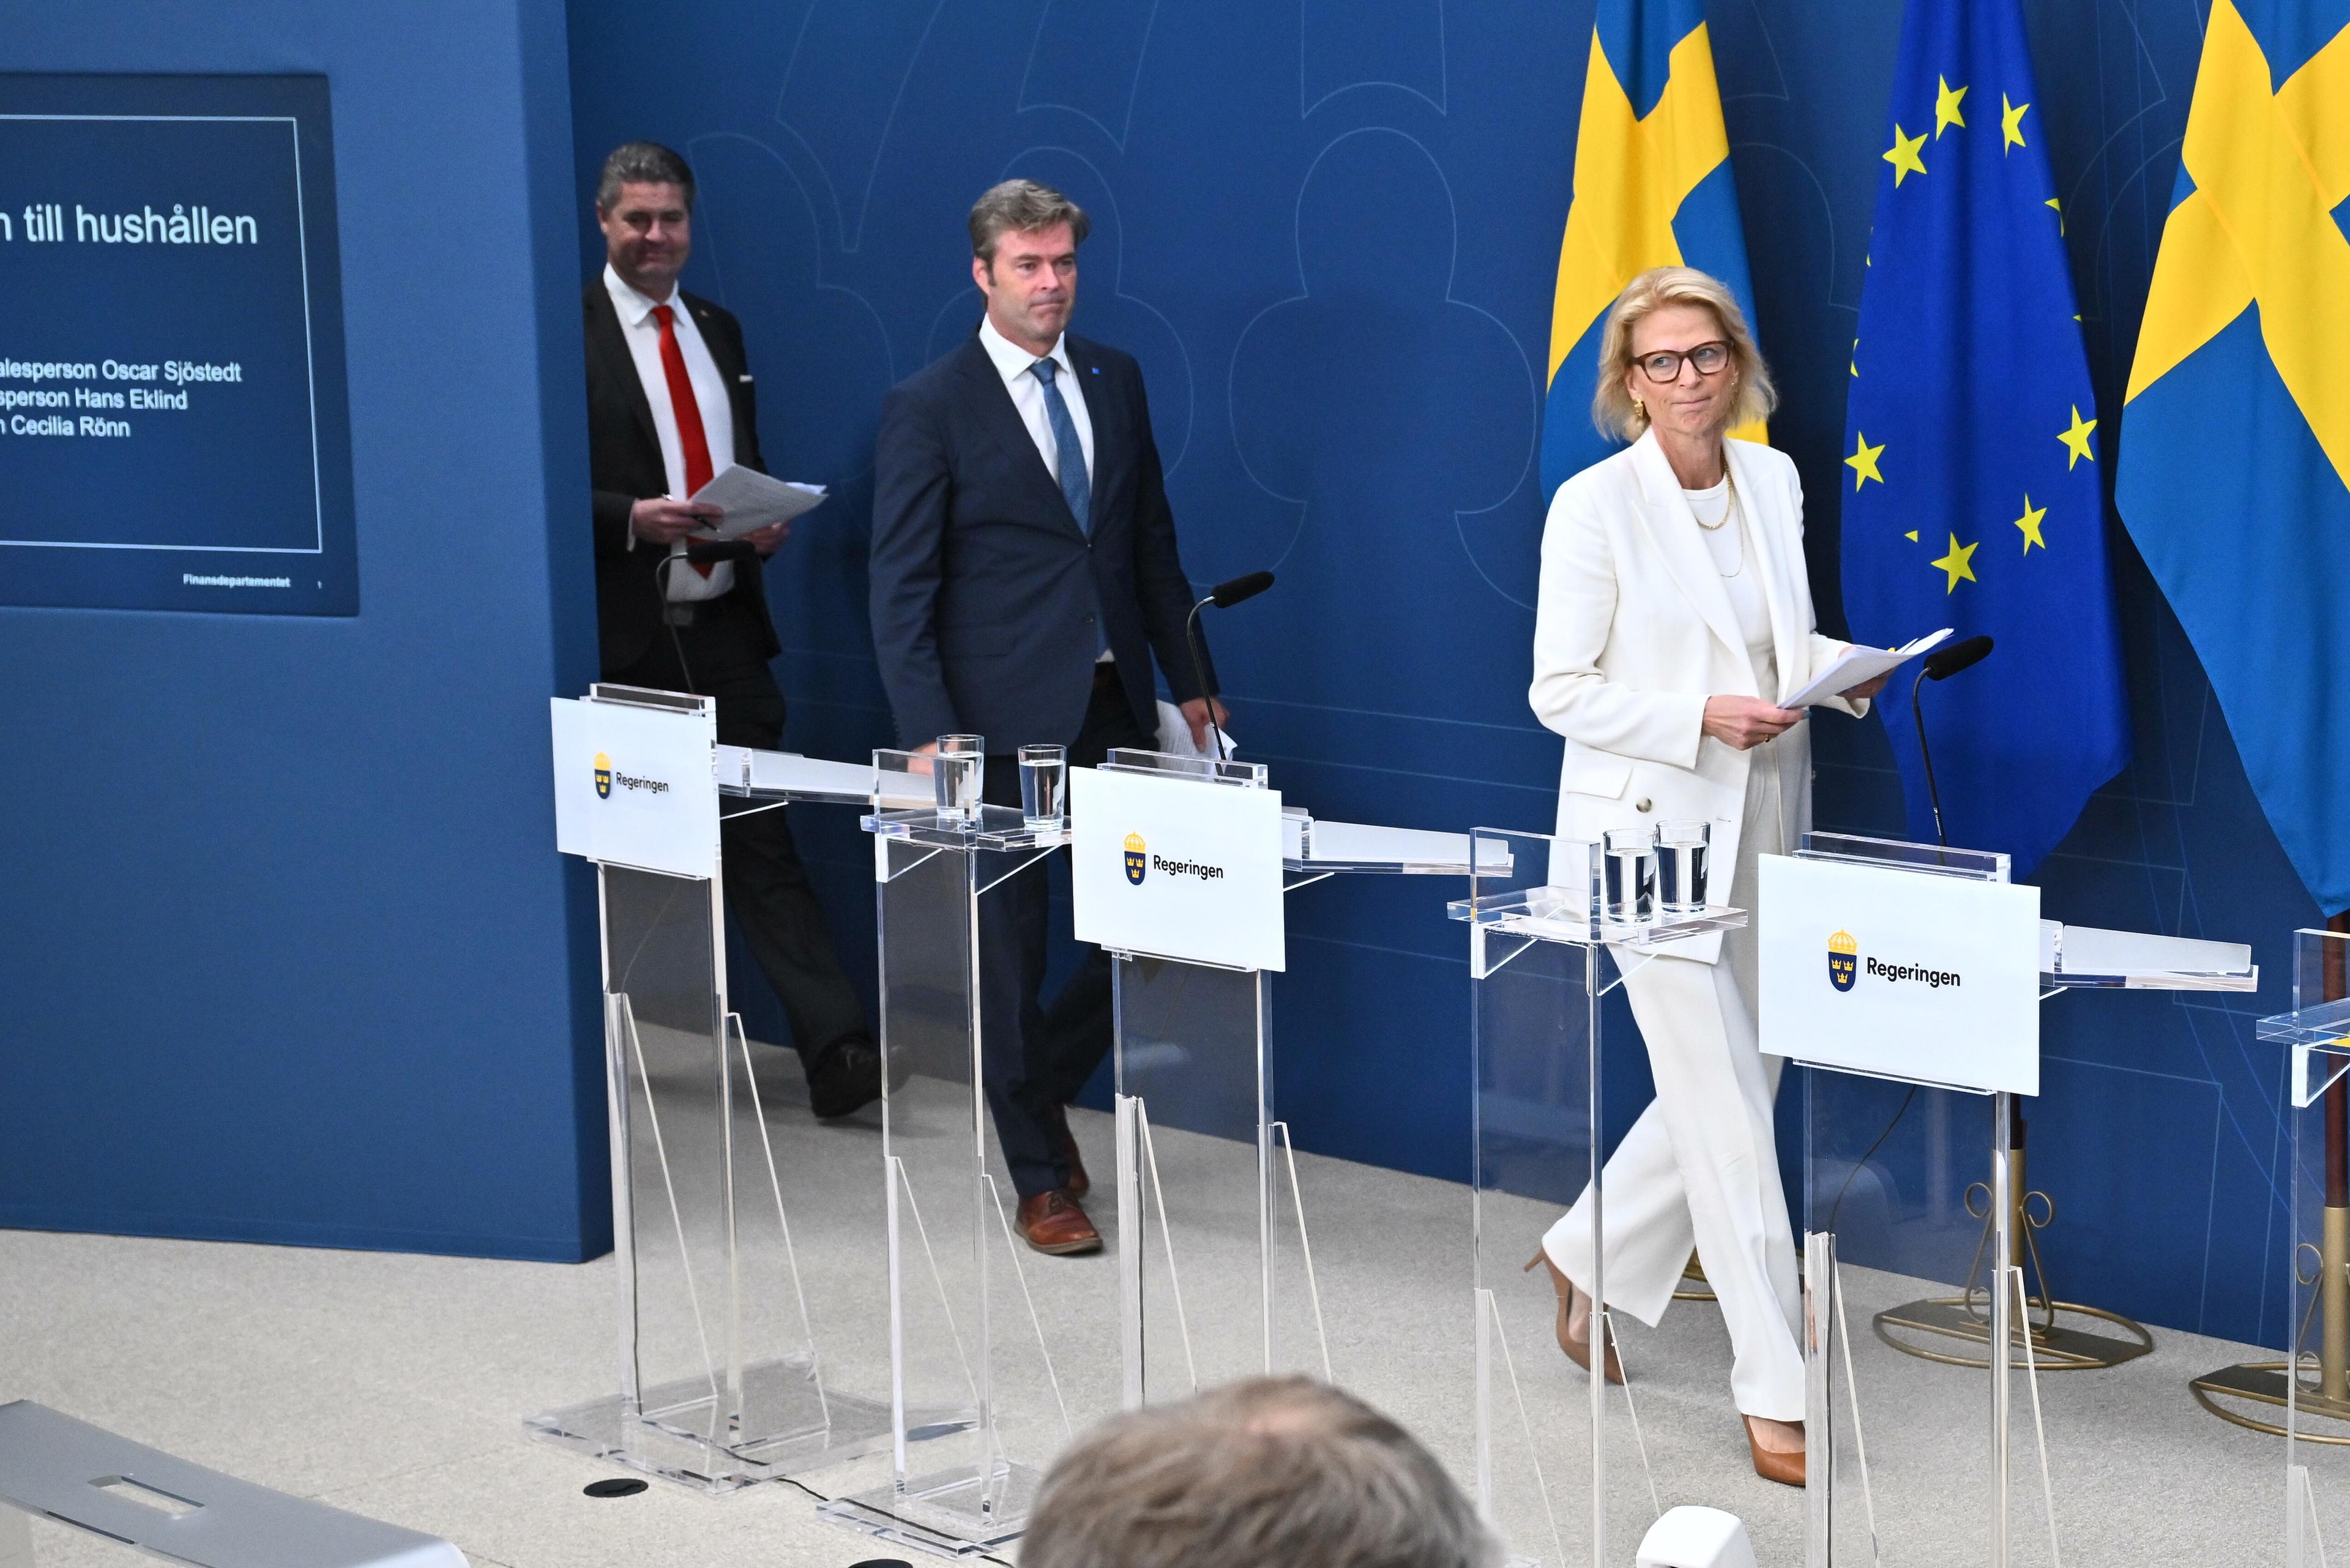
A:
(1640, 409)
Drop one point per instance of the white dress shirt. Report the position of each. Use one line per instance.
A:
(1017, 367)
(710, 396)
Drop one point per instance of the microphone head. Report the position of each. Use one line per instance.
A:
(1227, 594)
(1945, 662)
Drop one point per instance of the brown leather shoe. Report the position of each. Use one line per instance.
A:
(1052, 1223)
(1079, 1183)
(1774, 1463)
(1577, 1350)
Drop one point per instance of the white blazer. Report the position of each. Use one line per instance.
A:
(1634, 630)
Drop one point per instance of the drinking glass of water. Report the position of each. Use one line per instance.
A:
(1681, 848)
(955, 775)
(1630, 866)
(1044, 787)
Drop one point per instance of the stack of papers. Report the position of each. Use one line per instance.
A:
(1857, 664)
(752, 501)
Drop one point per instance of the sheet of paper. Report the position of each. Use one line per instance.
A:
(1175, 735)
(752, 500)
(1857, 664)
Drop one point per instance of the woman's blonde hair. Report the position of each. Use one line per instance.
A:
(1612, 408)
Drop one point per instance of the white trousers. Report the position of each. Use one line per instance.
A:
(1701, 1164)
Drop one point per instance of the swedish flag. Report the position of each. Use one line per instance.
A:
(2235, 475)
(1973, 499)
(1652, 188)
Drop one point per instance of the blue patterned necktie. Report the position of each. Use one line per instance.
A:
(1075, 486)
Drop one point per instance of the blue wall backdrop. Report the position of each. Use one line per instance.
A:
(287, 951)
(1328, 229)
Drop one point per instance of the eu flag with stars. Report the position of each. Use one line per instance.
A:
(1973, 497)
(2235, 466)
(1652, 188)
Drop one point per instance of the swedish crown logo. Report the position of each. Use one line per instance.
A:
(1135, 862)
(1844, 961)
(603, 776)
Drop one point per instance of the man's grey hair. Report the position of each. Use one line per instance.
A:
(642, 163)
(1022, 206)
(1277, 1472)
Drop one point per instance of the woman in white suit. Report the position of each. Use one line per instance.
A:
(1674, 614)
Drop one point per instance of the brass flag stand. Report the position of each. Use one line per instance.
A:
(2322, 1268)
(2056, 1346)
(1694, 1286)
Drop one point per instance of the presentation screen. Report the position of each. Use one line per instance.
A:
(173, 429)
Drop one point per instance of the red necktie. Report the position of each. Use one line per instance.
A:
(690, 437)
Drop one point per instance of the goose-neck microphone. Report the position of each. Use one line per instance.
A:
(1940, 665)
(1224, 595)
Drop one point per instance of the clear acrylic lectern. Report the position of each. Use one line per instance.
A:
(1218, 1268)
(1914, 1213)
(1563, 1475)
(721, 1381)
(977, 1409)
(1907, 1194)
(2305, 1394)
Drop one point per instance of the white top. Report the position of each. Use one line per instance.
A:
(1017, 366)
(644, 333)
(1732, 547)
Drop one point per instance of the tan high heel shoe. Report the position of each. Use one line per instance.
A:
(1784, 1466)
(1577, 1350)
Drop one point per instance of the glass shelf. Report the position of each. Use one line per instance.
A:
(2320, 1024)
(2090, 958)
(1562, 915)
(995, 828)
(1976, 865)
(1320, 848)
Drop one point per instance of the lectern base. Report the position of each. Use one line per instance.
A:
(2264, 1383)
(682, 1436)
(943, 1514)
(2056, 1347)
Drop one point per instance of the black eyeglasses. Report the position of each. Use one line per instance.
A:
(1665, 364)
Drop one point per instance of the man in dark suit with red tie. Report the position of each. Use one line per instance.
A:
(1023, 574)
(669, 405)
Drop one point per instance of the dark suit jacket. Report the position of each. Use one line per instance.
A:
(984, 589)
(624, 461)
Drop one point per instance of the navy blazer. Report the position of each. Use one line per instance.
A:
(624, 459)
(984, 589)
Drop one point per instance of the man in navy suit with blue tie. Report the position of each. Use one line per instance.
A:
(1023, 574)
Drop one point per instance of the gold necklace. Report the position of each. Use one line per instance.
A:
(1727, 513)
(1731, 501)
